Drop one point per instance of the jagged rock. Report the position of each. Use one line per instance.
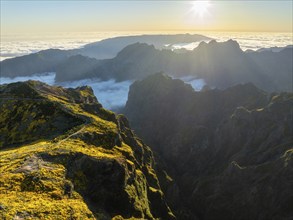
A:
(227, 151)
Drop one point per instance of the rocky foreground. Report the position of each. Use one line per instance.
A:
(62, 156)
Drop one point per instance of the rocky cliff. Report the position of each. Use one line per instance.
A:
(62, 156)
(228, 151)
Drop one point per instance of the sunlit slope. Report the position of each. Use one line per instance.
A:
(65, 157)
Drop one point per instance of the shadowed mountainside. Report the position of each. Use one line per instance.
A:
(43, 61)
(62, 156)
(221, 65)
(228, 151)
(271, 71)
(49, 60)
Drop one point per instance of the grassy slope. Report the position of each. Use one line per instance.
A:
(43, 179)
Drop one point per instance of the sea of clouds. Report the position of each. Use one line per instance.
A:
(247, 41)
(19, 45)
(111, 94)
(12, 46)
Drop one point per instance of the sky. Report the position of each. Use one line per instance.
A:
(25, 17)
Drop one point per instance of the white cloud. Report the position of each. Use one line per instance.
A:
(252, 41)
(12, 46)
(45, 77)
(197, 84)
(110, 94)
(19, 45)
(19, 48)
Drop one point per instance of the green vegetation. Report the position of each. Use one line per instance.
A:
(60, 161)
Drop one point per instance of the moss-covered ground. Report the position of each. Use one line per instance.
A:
(85, 170)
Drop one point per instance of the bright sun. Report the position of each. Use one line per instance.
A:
(200, 8)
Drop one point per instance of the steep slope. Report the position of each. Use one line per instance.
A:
(277, 65)
(63, 156)
(75, 68)
(40, 62)
(228, 151)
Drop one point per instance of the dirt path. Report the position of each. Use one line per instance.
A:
(69, 136)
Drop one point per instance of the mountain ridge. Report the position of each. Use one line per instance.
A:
(94, 168)
(271, 71)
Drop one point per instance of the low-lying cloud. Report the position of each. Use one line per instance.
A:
(16, 46)
(197, 84)
(247, 41)
(44, 77)
(111, 94)
(19, 47)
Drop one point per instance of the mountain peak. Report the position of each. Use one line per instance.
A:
(162, 81)
(214, 46)
(136, 49)
(233, 43)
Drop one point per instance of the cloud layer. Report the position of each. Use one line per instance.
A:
(12, 46)
(247, 41)
(110, 94)
(197, 84)
(45, 77)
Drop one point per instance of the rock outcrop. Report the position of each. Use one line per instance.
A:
(63, 156)
(228, 151)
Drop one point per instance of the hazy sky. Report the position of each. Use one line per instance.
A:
(90, 16)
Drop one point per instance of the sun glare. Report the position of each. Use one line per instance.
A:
(200, 8)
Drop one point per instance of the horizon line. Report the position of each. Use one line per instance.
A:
(140, 31)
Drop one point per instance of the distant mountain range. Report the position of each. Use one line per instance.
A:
(221, 65)
(108, 48)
